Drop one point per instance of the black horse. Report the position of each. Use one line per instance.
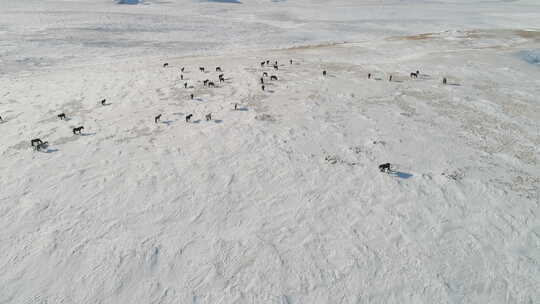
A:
(369, 76)
(262, 87)
(385, 167)
(265, 74)
(206, 82)
(262, 64)
(273, 77)
(61, 116)
(181, 77)
(414, 75)
(156, 119)
(324, 73)
(103, 102)
(218, 69)
(185, 85)
(78, 130)
(191, 96)
(211, 84)
(182, 70)
(201, 69)
(208, 116)
(262, 80)
(188, 117)
(444, 81)
(165, 64)
(36, 141)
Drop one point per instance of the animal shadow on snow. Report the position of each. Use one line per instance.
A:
(49, 150)
(167, 122)
(196, 121)
(88, 134)
(218, 121)
(400, 174)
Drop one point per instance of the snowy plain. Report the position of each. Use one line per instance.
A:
(281, 200)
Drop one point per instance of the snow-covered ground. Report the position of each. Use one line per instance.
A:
(279, 201)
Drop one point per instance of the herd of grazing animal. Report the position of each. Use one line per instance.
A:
(38, 144)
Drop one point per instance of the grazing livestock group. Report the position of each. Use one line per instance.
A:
(38, 144)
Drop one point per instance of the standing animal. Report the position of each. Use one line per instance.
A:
(267, 62)
(191, 96)
(262, 64)
(262, 80)
(61, 116)
(385, 167)
(218, 69)
(165, 65)
(42, 145)
(103, 102)
(182, 70)
(290, 61)
(185, 85)
(262, 87)
(78, 130)
(444, 80)
(156, 119)
(208, 116)
(221, 78)
(211, 84)
(265, 74)
(201, 69)
(188, 117)
(324, 73)
(1, 118)
(390, 78)
(273, 77)
(206, 82)
(418, 72)
(414, 75)
(181, 77)
(36, 141)
(276, 67)
(235, 106)
(369, 76)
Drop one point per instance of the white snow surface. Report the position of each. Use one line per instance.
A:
(279, 201)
